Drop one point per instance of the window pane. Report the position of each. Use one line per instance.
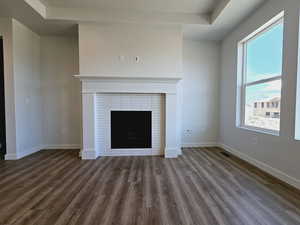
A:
(264, 54)
(262, 108)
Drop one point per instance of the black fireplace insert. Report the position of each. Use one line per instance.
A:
(131, 129)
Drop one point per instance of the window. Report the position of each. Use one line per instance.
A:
(260, 63)
(276, 114)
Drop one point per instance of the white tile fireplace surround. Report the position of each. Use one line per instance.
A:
(101, 95)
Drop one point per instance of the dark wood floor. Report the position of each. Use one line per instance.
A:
(201, 187)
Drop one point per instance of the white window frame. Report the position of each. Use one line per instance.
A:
(243, 69)
(297, 108)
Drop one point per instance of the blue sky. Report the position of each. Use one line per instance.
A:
(264, 60)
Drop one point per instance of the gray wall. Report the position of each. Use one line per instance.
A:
(6, 33)
(43, 104)
(158, 46)
(27, 85)
(200, 93)
(278, 155)
(60, 92)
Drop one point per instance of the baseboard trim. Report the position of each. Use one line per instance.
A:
(200, 144)
(20, 155)
(62, 147)
(263, 166)
(171, 153)
(179, 151)
(88, 154)
(9, 156)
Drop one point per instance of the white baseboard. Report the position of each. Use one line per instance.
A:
(263, 166)
(171, 152)
(20, 155)
(179, 151)
(88, 154)
(9, 156)
(62, 147)
(200, 144)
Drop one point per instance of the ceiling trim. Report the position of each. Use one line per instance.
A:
(98, 15)
(95, 15)
(218, 10)
(38, 6)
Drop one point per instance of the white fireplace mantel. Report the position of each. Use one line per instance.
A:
(121, 84)
(97, 84)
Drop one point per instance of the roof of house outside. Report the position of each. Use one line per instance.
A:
(274, 99)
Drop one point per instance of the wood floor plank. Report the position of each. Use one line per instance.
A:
(201, 187)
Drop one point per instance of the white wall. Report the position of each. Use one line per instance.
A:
(61, 92)
(158, 46)
(278, 155)
(200, 93)
(6, 33)
(28, 99)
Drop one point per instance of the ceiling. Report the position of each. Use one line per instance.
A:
(21, 11)
(201, 19)
(184, 6)
(227, 21)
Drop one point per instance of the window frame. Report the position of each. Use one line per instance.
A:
(279, 19)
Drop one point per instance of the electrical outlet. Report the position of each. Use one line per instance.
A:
(188, 132)
(137, 59)
(121, 58)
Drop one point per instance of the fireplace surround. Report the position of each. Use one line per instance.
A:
(94, 90)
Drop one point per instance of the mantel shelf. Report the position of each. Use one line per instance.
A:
(116, 77)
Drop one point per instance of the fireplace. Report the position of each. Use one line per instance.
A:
(131, 129)
(130, 116)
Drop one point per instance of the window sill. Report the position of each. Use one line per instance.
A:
(260, 130)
